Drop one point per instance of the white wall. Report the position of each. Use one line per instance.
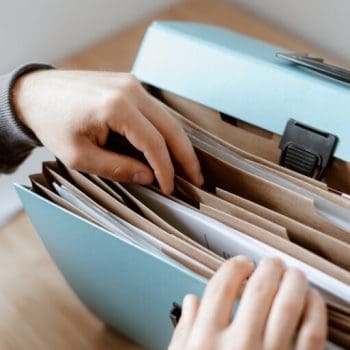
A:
(47, 30)
(322, 22)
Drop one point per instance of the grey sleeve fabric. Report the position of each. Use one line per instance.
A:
(16, 140)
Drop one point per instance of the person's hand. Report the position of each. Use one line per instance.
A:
(72, 113)
(276, 309)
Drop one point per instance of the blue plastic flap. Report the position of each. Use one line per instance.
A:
(128, 288)
(242, 77)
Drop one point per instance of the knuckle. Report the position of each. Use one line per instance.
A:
(289, 307)
(274, 262)
(297, 274)
(244, 345)
(111, 101)
(243, 340)
(130, 83)
(260, 288)
(156, 143)
(238, 266)
(73, 159)
(198, 343)
(177, 129)
(116, 173)
(223, 288)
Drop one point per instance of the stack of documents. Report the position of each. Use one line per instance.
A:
(245, 207)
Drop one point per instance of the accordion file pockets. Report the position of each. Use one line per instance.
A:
(119, 209)
(40, 187)
(197, 196)
(130, 289)
(306, 236)
(250, 142)
(210, 123)
(249, 82)
(266, 193)
(282, 245)
(105, 187)
(192, 248)
(160, 247)
(156, 219)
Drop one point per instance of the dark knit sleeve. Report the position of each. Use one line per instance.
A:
(16, 140)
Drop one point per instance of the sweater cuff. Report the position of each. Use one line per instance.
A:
(16, 140)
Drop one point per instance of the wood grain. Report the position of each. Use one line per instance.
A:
(38, 309)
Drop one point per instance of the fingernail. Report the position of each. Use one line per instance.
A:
(141, 178)
(200, 179)
(245, 259)
(315, 292)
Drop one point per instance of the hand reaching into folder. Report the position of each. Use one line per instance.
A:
(276, 310)
(73, 112)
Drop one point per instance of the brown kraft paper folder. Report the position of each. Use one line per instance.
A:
(157, 220)
(174, 253)
(250, 142)
(305, 236)
(128, 215)
(200, 196)
(281, 244)
(218, 173)
(105, 200)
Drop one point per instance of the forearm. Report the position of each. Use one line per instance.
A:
(16, 141)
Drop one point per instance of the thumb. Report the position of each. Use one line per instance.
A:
(115, 166)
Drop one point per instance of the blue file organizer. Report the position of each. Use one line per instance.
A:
(129, 288)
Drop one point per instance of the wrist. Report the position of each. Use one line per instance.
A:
(20, 93)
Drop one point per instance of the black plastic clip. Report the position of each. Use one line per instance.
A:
(317, 65)
(306, 150)
(175, 314)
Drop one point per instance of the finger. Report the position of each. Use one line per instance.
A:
(286, 311)
(113, 166)
(220, 295)
(178, 142)
(256, 301)
(183, 329)
(147, 139)
(313, 330)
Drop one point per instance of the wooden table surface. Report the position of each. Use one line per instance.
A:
(37, 308)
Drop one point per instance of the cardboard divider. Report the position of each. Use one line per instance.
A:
(277, 242)
(316, 241)
(339, 337)
(199, 196)
(317, 187)
(104, 186)
(252, 145)
(105, 200)
(42, 187)
(218, 173)
(157, 220)
(340, 321)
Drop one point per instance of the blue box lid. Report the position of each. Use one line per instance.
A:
(242, 77)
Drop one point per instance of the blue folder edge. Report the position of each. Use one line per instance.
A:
(128, 288)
